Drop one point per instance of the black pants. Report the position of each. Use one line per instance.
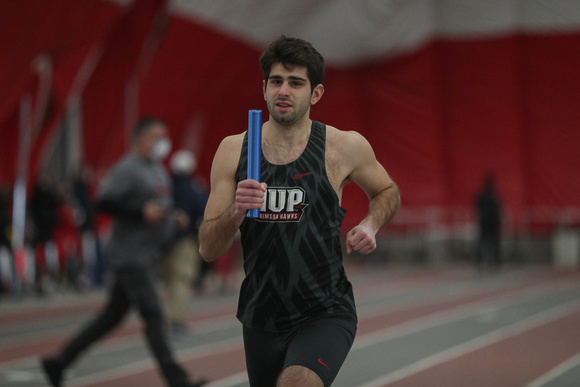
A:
(488, 249)
(320, 344)
(130, 288)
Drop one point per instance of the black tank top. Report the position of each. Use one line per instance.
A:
(292, 253)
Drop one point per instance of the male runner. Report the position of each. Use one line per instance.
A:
(296, 303)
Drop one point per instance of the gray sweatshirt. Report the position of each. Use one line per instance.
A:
(132, 182)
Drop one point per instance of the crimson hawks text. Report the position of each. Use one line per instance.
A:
(283, 204)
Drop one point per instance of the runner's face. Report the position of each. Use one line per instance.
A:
(288, 94)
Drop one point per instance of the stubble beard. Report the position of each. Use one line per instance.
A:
(288, 118)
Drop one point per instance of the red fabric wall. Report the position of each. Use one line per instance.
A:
(438, 117)
(63, 30)
(105, 134)
(552, 121)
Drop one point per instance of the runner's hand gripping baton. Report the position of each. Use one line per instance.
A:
(254, 151)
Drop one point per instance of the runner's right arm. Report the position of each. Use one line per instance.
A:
(228, 202)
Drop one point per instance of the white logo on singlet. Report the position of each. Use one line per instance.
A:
(283, 204)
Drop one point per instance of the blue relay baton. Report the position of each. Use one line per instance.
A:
(254, 151)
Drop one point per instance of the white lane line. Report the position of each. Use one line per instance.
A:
(445, 316)
(233, 380)
(477, 343)
(415, 325)
(132, 340)
(139, 366)
(560, 369)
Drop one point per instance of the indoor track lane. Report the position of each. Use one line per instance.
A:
(446, 325)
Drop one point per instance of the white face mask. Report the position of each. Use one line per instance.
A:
(161, 149)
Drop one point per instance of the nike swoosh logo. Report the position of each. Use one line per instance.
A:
(321, 362)
(297, 176)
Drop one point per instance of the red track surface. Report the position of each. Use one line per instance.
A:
(446, 326)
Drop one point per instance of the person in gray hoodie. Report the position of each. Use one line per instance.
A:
(137, 194)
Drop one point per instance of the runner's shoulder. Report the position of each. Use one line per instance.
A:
(344, 141)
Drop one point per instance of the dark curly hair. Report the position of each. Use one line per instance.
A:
(145, 123)
(293, 52)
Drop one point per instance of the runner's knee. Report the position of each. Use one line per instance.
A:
(297, 375)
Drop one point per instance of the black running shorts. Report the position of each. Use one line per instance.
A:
(320, 344)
